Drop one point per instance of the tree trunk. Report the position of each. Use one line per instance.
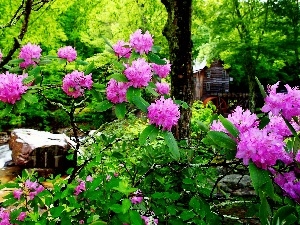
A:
(178, 34)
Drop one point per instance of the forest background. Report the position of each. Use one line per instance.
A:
(253, 38)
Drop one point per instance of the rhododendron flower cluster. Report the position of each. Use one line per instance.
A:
(290, 184)
(262, 147)
(79, 188)
(116, 91)
(122, 51)
(11, 87)
(4, 217)
(243, 120)
(268, 145)
(139, 73)
(142, 43)
(162, 88)
(30, 53)
(161, 70)
(21, 216)
(76, 82)
(163, 113)
(288, 104)
(149, 220)
(137, 197)
(68, 53)
(30, 189)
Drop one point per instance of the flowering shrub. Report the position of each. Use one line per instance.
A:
(30, 53)
(68, 53)
(74, 83)
(12, 87)
(109, 195)
(271, 149)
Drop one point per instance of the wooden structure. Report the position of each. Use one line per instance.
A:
(212, 84)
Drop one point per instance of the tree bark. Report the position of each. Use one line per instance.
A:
(27, 11)
(178, 34)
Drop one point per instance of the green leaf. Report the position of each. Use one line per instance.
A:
(131, 93)
(151, 90)
(140, 103)
(30, 98)
(106, 41)
(20, 104)
(149, 131)
(156, 59)
(117, 208)
(155, 49)
(264, 211)
(28, 79)
(187, 215)
(118, 65)
(261, 180)
(89, 68)
(34, 72)
(45, 62)
(80, 62)
(7, 110)
(229, 126)
(135, 218)
(56, 211)
(98, 223)
(172, 144)
(103, 106)
(261, 88)
(118, 77)
(283, 213)
(183, 104)
(125, 205)
(202, 126)
(120, 110)
(222, 140)
(16, 61)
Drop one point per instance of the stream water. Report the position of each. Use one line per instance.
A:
(5, 155)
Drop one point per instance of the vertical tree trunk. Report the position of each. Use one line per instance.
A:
(178, 33)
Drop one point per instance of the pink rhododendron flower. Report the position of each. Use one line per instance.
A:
(287, 104)
(21, 216)
(76, 82)
(81, 221)
(161, 70)
(297, 157)
(4, 217)
(17, 193)
(149, 220)
(68, 53)
(262, 148)
(290, 184)
(79, 188)
(116, 91)
(243, 120)
(89, 178)
(139, 73)
(122, 51)
(11, 87)
(34, 188)
(137, 197)
(278, 125)
(142, 43)
(162, 88)
(163, 113)
(29, 53)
